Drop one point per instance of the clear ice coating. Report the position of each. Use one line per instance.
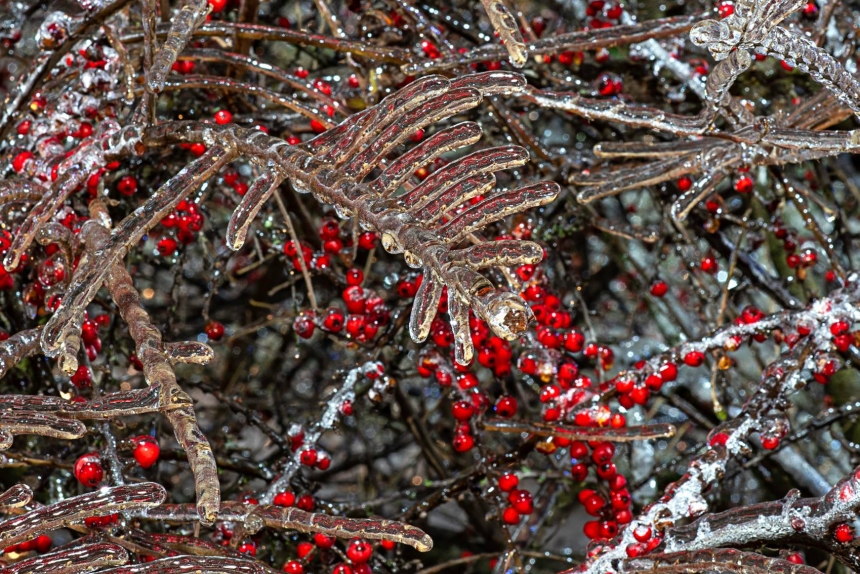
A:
(509, 31)
(334, 167)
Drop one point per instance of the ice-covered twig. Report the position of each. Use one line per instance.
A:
(333, 165)
(207, 564)
(591, 39)
(255, 517)
(18, 347)
(626, 434)
(326, 422)
(717, 561)
(173, 402)
(17, 496)
(182, 27)
(77, 508)
(83, 558)
(509, 31)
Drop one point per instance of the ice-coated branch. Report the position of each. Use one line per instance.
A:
(72, 172)
(18, 347)
(779, 521)
(207, 564)
(255, 517)
(17, 496)
(173, 402)
(83, 558)
(509, 32)
(77, 508)
(90, 274)
(183, 25)
(333, 165)
(581, 40)
(763, 413)
(716, 561)
(626, 434)
(326, 422)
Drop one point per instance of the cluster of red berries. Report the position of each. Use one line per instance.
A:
(187, 220)
(367, 313)
(637, 390)
(520, 501)
(358, 552)
(610, 509)
(40, 544)
(288, 498)
(603, 13)
(800, 261)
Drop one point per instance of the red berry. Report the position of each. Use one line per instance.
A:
(795, 558)
(334, 320)
(744, 184)
(508, 482)
(367, 240)
(642, 533)
(668, 372)
(592, 529)
(223, 117)
(294, 567)
(127, 185)
(43, 543)
(510, 515)
(685, 183)
(88, 470)
(323, 541)
(463, 442)
(694, 359)
(522, 501)
(709, 264)
(462, 410)
(305, 502)
(21, 160)
(285, 498)
(214, 330)
(308, 457)
(388, 544)
(355, 299)
(146, 451)
(359, 551)
(594, 504)
(839, 328)
(218, 5)
(82, 378)
(659, 288)
(843, 533)
(304, 326)
(769, 442)
(167, 247)
(329, 230)
(506, 406)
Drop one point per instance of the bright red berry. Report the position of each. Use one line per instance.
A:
(506, 406)
(359, 551)
(285, 498)
(214, 330)
(843, 533)
(659, 288)
(508, 482)
(88, 470)
(127, 185)
(223, 117)
(146, 451)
